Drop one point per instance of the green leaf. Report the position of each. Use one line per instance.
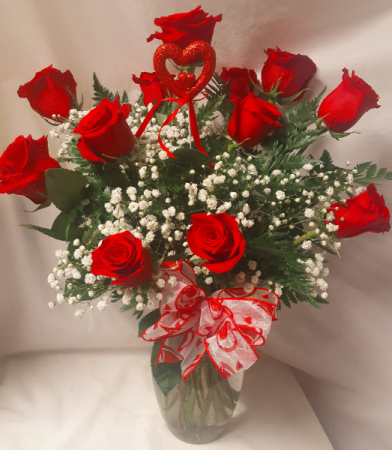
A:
(362, 167)
(126, 308)
(382, 172)
(371, 171)
(125, 98)
(166, 375)
(59, 226)
(192, 156)
(288, 100)
(64, 228)
(161, 118)
(149, 320)
(327, 161)
(65, 188)
(101, 92)
(370, 176)
(338, 136)
(42, 230)
(43, 205)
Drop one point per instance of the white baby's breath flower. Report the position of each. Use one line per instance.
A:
(102, 305)
(330, 191)
(252, 265)
(309, 213)
(172, 281)
(90, 278)
(248, 288)
(161, 283)
(331, 227)
(307, 167)
(79, 313)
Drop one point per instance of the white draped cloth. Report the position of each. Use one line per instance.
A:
(324, 379)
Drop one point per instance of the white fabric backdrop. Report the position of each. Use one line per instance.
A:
(341, 354)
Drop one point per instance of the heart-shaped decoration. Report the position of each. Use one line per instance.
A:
(186, 85)
(186, 81)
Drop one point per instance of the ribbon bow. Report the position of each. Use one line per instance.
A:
(227, 325)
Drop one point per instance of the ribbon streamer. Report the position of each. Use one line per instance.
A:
(192, 121)
(227, 325)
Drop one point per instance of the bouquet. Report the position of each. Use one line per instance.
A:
(199, 207)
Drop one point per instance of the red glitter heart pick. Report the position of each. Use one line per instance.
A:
(187, 85)
(186, 80)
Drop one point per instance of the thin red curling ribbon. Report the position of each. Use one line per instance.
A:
(227, 325)
(186, 87)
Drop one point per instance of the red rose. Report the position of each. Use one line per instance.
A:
(252, 120)
(216, 238)
(121, 256)
(151, 87)
(22, 168)
(346, 104)
(105, 132)
(362, 213)
(240, 82)
(49, 92)
(293, 71)
(183, 29)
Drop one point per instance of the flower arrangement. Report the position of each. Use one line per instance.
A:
(199, 207)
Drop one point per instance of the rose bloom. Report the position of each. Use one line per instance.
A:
(49, 92)
(252, 120)
(217, 239)
(153, 90)
(240, 82)
(183, 29)
(22, 168)
(293, 71)
(123, 258)
(363, 213)
(346, 104)
(105, 133)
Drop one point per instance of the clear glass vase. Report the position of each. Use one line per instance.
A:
(198, 409)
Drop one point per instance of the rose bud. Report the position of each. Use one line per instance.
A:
(363, 213)
(252, 120)
(346, 104)
(50, 92)
(153, 90)
(240, 82)
(183, 29)
(22, 168)
(105, 133)
(217, 239)
(122, 258)
(293, 72)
